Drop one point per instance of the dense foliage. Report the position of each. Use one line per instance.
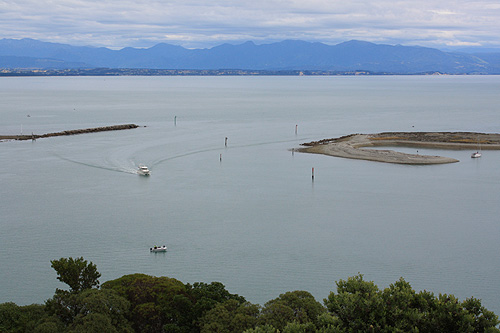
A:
(142, 303)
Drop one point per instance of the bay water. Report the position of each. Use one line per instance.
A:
(247, 214)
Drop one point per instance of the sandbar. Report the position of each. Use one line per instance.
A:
(350, 146)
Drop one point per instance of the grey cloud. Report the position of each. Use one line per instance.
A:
(198, 23)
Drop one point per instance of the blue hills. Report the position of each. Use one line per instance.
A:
(286, 55)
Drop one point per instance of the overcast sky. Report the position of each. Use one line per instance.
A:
(207, 23)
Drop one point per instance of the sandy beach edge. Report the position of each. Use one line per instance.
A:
(350, 146)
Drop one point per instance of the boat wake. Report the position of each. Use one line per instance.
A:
(130, 170)
(200, 151)
(121, 160)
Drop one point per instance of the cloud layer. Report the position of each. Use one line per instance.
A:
(197, 23)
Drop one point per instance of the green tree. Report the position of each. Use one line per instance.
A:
(360, 306)
(90, 308)
(276, 315)
(64, 305)
(483, 319)
(357, 304)
(327, 323)
(296, 327)
(150, 304)
(76, 273)
(106, 304)
(403, 307)
(157, 303)
(296, 306)
(165, 304)
(94, 323)
(14, 318)
(205, 296)
(50, 325)
(445, 313)
(84, 308)
(262, 329)
(230, 316)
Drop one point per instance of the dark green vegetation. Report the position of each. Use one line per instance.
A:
(142, 303)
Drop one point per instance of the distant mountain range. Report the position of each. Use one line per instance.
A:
(287, 55)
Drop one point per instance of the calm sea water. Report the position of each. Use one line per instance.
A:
(247, 215)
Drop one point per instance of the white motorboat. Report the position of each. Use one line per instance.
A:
(158, 249)
(143, 170)
(478, 151)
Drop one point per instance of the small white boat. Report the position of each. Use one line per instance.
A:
(158, 249)
(143, 170)
(478, 151)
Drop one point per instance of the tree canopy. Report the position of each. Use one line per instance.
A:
(76, 273)
(296, 306)
(359, 306)
(143, 303)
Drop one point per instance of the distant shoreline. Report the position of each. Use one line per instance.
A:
(22, 72)
(350, 146)
(69, 132)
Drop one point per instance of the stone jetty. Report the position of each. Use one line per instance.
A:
(69, 132)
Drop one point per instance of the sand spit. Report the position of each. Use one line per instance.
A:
(350, 146)
(70, 132)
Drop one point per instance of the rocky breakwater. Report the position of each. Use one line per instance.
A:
(69, 132)
(350, 146)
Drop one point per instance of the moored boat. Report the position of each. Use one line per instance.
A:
(478, 151)
(158, 249)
